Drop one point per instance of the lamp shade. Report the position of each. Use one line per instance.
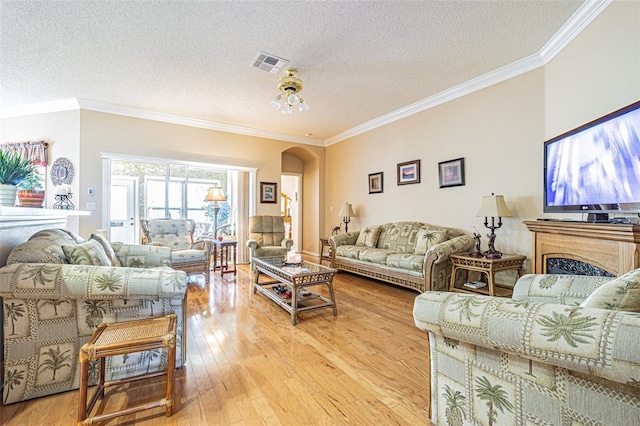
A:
(493, 206)
(215, 194)
(346, 211)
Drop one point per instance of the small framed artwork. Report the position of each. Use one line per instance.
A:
(409, 172)
(268, 192)
(376, 181)
(451, 173)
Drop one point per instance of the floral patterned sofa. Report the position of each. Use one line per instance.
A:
(410, 254)
(562, 351)
(51, 307)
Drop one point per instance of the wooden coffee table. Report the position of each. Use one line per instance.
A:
(297, 278)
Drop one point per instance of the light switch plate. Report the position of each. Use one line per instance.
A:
(91, 206)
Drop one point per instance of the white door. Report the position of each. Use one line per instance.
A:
(123, 215)
(291, 186)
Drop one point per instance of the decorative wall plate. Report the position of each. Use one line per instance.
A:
(61, 171)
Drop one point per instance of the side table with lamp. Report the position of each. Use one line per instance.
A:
(491, 261)
(214, 195)
(225, 249)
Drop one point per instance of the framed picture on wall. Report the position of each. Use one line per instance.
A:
(268, 192)
(409, 172)
(376, 183)
(451, 173)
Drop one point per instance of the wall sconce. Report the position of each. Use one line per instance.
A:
(493, 206)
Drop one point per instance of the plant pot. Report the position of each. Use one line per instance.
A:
(31, 197)
(8, 195)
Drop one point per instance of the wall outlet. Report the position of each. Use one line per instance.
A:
(91, 206)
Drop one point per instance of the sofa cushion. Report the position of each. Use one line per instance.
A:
(190, 255)
(87, 253)
(375, 255)
(427, 238)
(402, 236)
(108, 250)
(620, 294)
(351, 252)
(368, 236)
(409, 261)
(44, 247)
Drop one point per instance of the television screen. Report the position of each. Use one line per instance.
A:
(595, 167)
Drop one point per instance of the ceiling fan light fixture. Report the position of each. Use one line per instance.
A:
(289, 87)
(276, 102)
(293, 99)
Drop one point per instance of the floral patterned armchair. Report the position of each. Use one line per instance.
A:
(50, 308)
(187, 254)
(562, 351)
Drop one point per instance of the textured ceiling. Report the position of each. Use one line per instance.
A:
(359, 60)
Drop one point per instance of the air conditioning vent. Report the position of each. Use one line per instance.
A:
(269, 63)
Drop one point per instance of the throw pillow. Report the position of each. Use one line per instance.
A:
(368, 236)
(620, 294)
(108, 250)
(428, 238)
(87, 253)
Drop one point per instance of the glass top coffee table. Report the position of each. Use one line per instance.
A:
(290, 290)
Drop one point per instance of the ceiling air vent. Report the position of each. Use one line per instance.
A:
(267, 62)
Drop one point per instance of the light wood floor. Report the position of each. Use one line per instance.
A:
(248, 366)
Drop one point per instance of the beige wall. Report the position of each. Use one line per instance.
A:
(499, 131)
(109, 133)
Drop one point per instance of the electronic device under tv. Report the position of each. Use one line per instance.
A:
(595, 168)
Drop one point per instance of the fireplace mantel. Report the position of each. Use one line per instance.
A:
(612, 247)
(17, 224)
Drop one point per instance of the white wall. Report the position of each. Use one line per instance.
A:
(62, 131)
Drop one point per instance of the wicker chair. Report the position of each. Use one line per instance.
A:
(192, 257)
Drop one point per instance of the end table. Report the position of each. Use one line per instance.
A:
(488, 267)
(223, 248)
(324, 242)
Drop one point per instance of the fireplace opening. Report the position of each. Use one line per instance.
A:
(557, 265)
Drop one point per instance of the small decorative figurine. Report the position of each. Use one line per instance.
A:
(476, 250)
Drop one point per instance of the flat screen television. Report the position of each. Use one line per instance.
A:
(595, 168)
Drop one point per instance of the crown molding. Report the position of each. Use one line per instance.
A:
(574, 26)
(90, 105)
(192, 122)
(40, 108)
(501, 74)
(582, 17)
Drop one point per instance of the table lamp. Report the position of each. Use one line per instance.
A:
(346, 211)
(493, 206)
(215, 194)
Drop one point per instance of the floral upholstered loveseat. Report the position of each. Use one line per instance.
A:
(564, 350)
(410, 254)
(50, 307)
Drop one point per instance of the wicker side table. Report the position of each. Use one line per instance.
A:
(120, 338)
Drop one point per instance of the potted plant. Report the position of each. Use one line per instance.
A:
(14, 169)
(30, 192)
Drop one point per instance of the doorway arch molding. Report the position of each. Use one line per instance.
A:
(313, 183)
